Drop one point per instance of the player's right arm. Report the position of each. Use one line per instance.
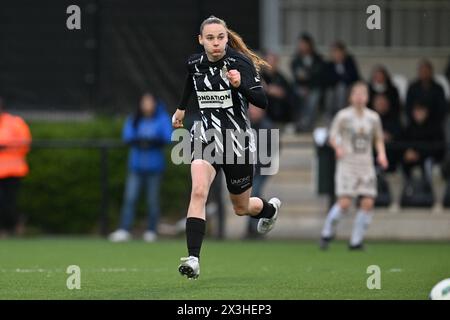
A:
(334, 134)
(178, 116)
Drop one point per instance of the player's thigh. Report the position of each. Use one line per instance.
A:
(202, 174)
(239, 177)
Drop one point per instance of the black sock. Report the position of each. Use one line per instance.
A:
(267, 211)
(195, 231)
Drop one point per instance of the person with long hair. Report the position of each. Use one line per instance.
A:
(225, 78)
(146, 132)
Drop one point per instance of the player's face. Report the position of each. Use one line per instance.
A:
(359, 96)
(214, 39)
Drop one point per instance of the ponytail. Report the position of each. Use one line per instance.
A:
(236, 42)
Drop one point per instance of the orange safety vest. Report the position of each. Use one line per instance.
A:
(15, 139)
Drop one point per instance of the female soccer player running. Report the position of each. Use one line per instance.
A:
(352, 134)
(225, 79)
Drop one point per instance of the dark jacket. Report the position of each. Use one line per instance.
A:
(313, 73)
(427, 139)
(347, 73)
(279, 109)
(392, 95)
(432, 95)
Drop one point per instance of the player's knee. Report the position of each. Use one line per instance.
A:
(344, 203)
(367, 204)
(240, 210)
(199, 192)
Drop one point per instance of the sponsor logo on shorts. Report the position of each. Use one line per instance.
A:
(240, 181)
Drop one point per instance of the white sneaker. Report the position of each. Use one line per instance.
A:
(190, 267)
(149, 236)
(266, 224)
(120, 235)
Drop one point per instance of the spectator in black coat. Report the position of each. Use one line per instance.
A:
(392, 128)
(307, 70)
(340, 73)
(381, 83)
(429, 92)
(423, 141)
(278, 91)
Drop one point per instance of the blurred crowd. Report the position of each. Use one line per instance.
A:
(414, 126)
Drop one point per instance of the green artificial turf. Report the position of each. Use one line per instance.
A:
(36, 269)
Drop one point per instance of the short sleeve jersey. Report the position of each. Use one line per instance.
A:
(356, 134)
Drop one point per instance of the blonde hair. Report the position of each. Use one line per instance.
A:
(236, 42)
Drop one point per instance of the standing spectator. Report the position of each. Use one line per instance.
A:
(259, 121)
(341, 72)
(307, 70)
(278, 91)
(381, 83)
(423, 141)
(15, 139)
(429, 92)
(146, 132)
(392, 127)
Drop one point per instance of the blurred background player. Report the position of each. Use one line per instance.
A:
(146, 132)
(352, 134)
(15, 139)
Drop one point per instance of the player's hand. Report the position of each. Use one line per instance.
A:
(177, 119)
(382, 161)
(339, 152)
(234, 77)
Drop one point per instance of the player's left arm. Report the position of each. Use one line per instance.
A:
(247, 81)
(379, 144)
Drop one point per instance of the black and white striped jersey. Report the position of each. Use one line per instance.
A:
(220, 105)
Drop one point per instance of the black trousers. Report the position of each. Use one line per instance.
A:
(8, 198)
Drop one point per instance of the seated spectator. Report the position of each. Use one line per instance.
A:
(146, 132)
(278, 91)
(381, 83)
(307, 70)
(15, 139)
(340, 73)
(391, 127)
(428, 91)
(423, 142)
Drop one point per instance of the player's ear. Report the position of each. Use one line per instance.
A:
(200, 39)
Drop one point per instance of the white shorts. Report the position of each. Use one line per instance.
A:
(354, 182)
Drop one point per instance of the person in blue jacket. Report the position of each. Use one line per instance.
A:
(147, 131)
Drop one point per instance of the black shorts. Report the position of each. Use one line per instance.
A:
(238, 167)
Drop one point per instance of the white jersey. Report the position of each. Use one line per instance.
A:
(355, 132)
